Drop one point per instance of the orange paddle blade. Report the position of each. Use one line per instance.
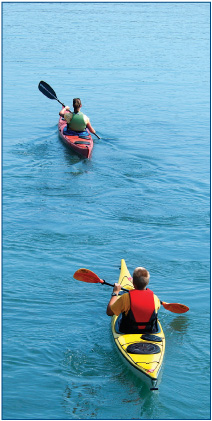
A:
(175, 307)
(86, 275)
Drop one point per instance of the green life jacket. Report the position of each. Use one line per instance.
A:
(77, 122)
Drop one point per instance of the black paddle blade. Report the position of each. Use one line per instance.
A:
(47, 90)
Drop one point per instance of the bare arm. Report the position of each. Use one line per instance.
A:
(90, 127)
(116, 289)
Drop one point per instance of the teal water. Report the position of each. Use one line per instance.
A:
(142, 71)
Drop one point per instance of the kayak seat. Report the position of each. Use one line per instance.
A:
(83, 135)
(143, 348)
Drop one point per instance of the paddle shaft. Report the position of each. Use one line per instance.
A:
(60, 102)
(112, 285)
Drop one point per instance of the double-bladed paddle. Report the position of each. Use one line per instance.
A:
(50, 93)
(86, 275)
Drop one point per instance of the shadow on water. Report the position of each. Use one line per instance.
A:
(180, 324)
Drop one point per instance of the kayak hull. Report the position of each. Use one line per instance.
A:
(148, 362)
(83, 147)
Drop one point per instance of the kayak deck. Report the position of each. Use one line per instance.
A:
(143, 352)
(81, 145)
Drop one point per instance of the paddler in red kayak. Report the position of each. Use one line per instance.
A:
(76, 121)
(139, 307)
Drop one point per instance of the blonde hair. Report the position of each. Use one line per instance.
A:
(140, 278)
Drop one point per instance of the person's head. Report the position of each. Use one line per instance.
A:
(140, 278)
(77, 104)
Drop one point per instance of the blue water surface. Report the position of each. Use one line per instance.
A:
(142, 71)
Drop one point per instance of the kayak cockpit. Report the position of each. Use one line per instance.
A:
(118, 323)
(85, 134)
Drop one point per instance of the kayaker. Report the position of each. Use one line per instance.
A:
(139, 307)
(76, 121)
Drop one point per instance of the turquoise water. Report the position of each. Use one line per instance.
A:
(142, 71)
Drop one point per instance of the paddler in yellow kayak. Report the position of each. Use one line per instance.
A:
(76, 121)
(139, 307)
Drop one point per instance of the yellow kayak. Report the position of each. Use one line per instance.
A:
(143, 352)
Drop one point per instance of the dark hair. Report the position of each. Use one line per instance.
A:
(76, 104)
(140, 278)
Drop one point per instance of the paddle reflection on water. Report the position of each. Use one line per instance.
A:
(180, 324)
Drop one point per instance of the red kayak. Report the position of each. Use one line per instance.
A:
(79, 142)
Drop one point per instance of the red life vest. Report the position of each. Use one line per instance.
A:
(142, 315)
(142, 305)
